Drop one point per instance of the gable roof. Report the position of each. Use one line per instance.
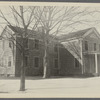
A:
(19, 30)
(31, 33)
(74, 35)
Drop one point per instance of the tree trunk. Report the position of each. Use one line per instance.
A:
(23, 65)
(46, 73)
(22, 80)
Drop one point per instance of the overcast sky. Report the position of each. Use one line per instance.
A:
(94, 19)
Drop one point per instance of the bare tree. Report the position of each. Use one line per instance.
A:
(23, 18)
(55, 20)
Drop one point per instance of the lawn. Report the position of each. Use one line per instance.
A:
(53, 87)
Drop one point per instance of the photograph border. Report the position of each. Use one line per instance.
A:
(50, 1)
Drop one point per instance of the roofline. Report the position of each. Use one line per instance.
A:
(77, 37)
(88, 32)
(97, 32)
(92, 29)
(3, 30)
(70, 39)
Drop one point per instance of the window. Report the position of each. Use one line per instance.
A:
(94, 46)
(76, 63)
(10, 44)
(26, 42)
(86, 45)
(26, 61)
(36, 62)
(36, 44)
(9, 62)
(56, 48)
(56, 63)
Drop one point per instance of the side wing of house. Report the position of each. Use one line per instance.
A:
(7, 65)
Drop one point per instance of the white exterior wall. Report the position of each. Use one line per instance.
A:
(6, 52)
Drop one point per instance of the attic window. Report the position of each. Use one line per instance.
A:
(86, 45)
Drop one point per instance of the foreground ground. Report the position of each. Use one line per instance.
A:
(54, 87)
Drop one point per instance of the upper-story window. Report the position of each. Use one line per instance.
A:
(26, 42)
(86, 45)
(56, 48)
(94, 46)
(36, 44)
(10, 44)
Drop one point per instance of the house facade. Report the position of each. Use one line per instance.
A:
(33, 57)
(77, 53)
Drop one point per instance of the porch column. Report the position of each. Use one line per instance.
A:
(96, 64)
(82, 67)
(81, 52)
(59, 58)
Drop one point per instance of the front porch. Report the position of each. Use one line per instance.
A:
(91, 63)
